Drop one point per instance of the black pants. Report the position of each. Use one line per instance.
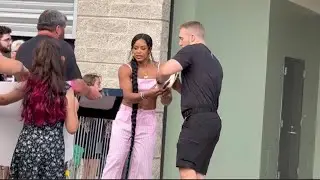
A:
(39, 153)
(199, 135)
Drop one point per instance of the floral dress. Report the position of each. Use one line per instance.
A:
(39, 153)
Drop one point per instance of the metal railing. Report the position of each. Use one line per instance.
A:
(90, 149)
(89, 152)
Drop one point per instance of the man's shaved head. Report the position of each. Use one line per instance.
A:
(191, 32)
(194, 27)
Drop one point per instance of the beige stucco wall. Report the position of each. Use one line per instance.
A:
(104, 32)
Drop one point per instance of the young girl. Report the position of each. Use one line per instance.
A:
(48, 102)
(134, 128)
(93, 79)
(88, 129)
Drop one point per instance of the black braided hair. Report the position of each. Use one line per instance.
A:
(134, 80)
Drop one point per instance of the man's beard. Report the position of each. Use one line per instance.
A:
(4, 50)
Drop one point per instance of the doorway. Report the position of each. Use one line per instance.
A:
(291, 115)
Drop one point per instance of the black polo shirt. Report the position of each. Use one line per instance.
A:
(201, 77)
(26, 54)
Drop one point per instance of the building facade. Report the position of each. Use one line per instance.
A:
(269, 110)
(101, 32)
(251, 39)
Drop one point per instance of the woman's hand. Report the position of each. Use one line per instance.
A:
(177, 85)
(166, 96)
(153, 92)
(166, 92)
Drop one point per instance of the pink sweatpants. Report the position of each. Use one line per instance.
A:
(143, 149)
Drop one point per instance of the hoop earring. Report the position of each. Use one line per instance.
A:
(131, 56)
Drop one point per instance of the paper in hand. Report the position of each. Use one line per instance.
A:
(169, 82)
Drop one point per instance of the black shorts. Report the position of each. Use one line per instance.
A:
(199, 135)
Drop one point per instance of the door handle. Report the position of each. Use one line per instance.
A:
(292, 132)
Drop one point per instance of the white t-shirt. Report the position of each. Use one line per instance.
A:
(68, 144)
(68, 141)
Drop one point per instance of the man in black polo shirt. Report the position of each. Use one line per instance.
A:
(52, 24)
(200, 90)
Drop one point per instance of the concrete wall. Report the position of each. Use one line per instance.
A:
(104, 32)
(294, 32)
(237, 33)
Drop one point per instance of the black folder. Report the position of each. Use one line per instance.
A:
(105, 108)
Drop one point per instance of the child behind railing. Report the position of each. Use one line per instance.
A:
(89, 136)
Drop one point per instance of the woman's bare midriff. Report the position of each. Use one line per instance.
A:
(146, 104)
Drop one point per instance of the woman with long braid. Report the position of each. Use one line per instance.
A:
(133, 133)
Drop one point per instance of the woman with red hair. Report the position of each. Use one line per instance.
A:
(47, 103)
